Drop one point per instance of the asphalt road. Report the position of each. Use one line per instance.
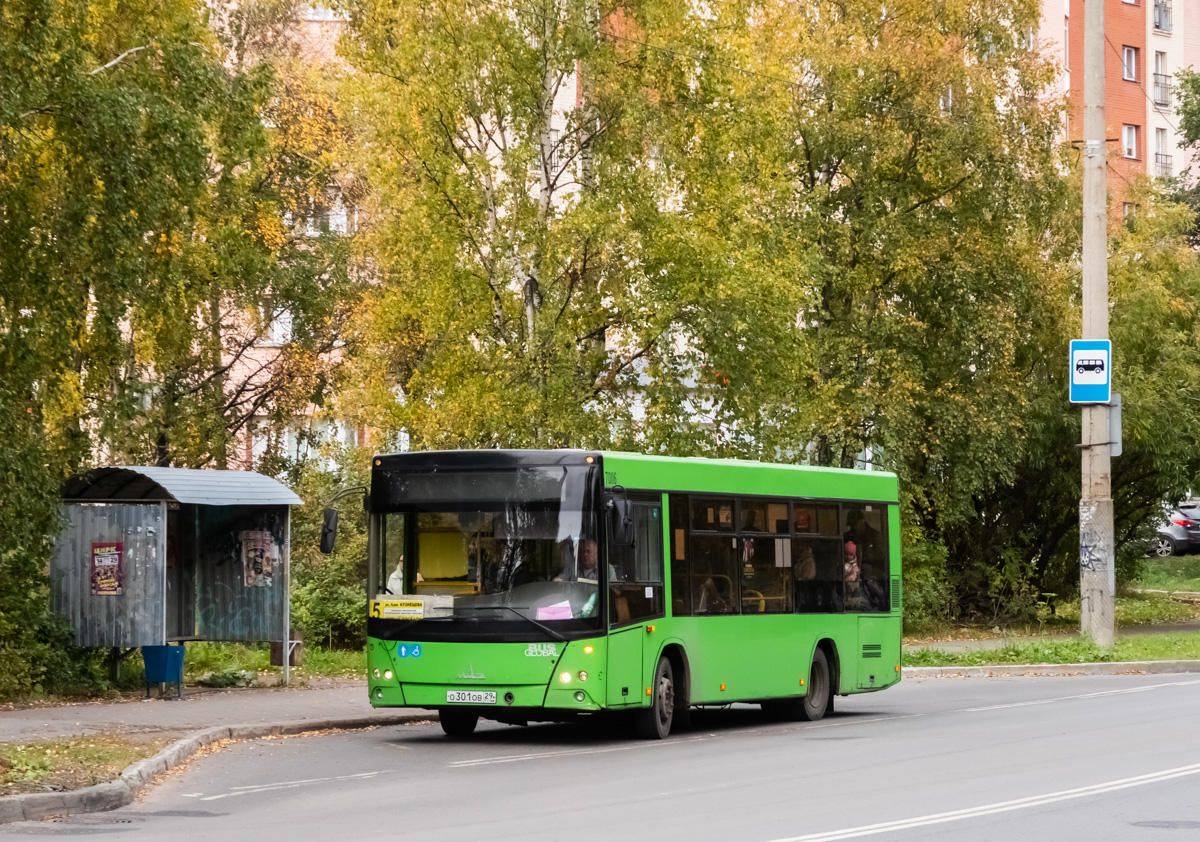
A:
(1096, 758)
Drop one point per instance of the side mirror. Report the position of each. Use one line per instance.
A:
(620, 515)
(329, 531)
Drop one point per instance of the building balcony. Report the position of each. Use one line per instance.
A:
(1162, 90)
(1162, 15)
(1162, 165)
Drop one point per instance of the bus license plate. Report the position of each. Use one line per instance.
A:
(472, 697)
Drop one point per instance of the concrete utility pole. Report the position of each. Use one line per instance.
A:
(1096, 568)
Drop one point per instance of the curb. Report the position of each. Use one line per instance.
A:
(1104, 668)
(137, 776)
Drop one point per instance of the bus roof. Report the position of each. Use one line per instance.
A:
(741, 476)
(675, 473)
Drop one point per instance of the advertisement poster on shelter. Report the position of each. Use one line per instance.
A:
(259, 557)
(107, 574)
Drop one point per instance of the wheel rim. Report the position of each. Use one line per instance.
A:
(1164, 548)
(666, 699)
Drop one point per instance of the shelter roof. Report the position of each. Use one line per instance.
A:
(182, 485)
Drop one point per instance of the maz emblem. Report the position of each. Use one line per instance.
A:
(470, 674)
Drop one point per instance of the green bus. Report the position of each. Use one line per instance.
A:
(527, 585)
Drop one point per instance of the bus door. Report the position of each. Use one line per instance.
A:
(878, 648)
(635, 596)
(625, 666)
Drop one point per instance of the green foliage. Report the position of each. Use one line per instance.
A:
(329, 592)
(929, 599)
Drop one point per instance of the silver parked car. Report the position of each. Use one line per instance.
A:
(1173, 534)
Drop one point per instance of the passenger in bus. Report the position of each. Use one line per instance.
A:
(865, 537)
(709, 600)
(850, 562)
(872, 560)
(851, 573)
(806, 564)
(395, 584)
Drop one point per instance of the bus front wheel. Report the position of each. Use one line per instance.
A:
(654, 722)
(457, 722)
(820, 689)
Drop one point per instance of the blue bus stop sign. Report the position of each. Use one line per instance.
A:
(1091, 371)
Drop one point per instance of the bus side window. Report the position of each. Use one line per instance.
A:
(817, 571)
(636, 593)
(864, 527)
(681, 588)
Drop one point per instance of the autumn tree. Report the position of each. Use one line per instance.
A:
(102, 150)
(144, 247)
(254, 262)
(531, 276)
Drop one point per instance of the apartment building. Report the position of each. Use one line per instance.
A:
(1147, 42)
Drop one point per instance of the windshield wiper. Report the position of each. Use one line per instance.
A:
(541, 626)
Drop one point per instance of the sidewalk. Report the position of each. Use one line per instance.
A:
(199, 709)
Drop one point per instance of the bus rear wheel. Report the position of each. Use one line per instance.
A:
(820, 689)
(654, 722)
(457, 722)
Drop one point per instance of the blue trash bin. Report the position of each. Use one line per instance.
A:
(164, 665)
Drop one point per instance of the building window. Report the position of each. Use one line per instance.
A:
(1162, 15)
(1129, 138)
(1162, 81)
(277, 324)
(1129, 64)
(1162, 158)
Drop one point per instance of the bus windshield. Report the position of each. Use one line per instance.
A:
(513, 546)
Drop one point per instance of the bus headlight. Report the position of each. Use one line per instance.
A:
(579, 697)
(565, 678)
(387, 674)
(583, 675)
(376, 673)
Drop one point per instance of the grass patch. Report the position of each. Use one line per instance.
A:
(232, 659)
(1132, 609)
(1157, 647)
(1177, 573)
(72, 763)
(334, 663)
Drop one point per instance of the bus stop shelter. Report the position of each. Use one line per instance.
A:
(151, 556)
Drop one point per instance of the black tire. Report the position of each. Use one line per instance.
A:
(820, 689)
(654, 722)
(457, 722)
(1165, 548)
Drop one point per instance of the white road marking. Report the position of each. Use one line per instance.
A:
(257, 788)
(1000, 807)
(1141, 689)
(514, 758)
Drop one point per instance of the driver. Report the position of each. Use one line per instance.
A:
(587, 567)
